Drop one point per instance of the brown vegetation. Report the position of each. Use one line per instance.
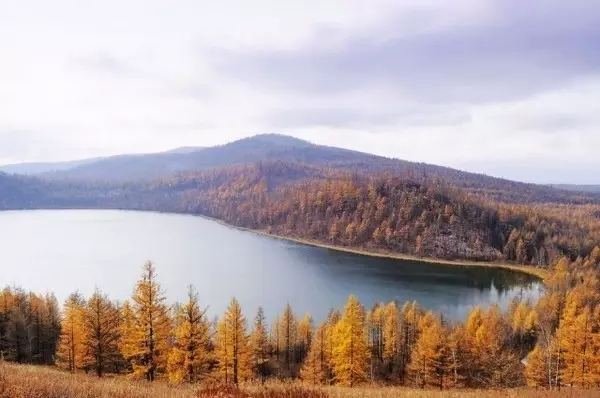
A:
(21, 381)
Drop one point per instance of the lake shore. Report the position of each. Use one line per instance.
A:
(537, 272)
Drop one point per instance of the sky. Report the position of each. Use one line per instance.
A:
(509, 88)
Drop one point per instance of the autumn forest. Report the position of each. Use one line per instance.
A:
(342, 199)
(553, 343)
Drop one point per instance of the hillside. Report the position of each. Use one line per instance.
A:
(272, 147)
(579, 188)
(380, 213)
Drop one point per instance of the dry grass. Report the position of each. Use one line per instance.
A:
(38, 382)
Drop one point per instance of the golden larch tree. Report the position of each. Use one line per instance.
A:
(430, 359)
(288, 330)
(71, 349)
(232, 345)
(316, 368)
(305, 331)
(146, 345)
(260, 346)
(101, 320)
(351, 352)
(190, 357)
(392, 333)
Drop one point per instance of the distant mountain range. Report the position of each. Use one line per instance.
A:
(274, 147)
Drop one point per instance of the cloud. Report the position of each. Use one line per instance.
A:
(526, 48)
(478, 84)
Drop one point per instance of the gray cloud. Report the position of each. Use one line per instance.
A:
(357, 118)
(530, 47)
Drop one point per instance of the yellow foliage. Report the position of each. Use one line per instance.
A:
(350, 352)
(71, 353)
(232, 346)
(189, 359)
(145, 335)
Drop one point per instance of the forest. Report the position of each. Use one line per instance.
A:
(554, 343)
(385, 213)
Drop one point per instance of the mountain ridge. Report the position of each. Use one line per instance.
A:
(273, 147)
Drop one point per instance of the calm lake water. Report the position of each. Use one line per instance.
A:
(67, 250)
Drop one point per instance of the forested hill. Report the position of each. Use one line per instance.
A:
(382, 213)
(273, 147)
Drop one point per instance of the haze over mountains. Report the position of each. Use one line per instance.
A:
(265, 147)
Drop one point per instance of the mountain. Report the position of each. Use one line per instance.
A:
(579, 188)
(274, 147)
(40, 168)
(57, 167)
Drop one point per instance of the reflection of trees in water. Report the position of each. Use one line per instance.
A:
(359, 267)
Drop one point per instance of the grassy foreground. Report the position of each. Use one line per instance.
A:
(18, 381)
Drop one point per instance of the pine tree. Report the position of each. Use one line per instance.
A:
(189, 359)
(260, 346)
(146, 345)
(351, 353)
(101, 321)
(71, 349)
(232, 345)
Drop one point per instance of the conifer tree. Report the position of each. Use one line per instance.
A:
(189, 358)
(260, 345)
(392, 337)
(101, 321)
(232, 346)
(146, 343)
(305, 330)
(71, 349)
(316, 366)
(52, 325)
(375, 321)
(289, 332)
(431, 360)
(351, 353)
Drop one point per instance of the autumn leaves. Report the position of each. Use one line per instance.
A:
(553, 343)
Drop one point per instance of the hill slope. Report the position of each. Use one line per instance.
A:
(273, 147)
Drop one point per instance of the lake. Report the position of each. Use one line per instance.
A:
(66, 250)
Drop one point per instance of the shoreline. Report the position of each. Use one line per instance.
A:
(528, 270)
(531, 271)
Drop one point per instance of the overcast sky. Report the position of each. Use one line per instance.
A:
(504, 87)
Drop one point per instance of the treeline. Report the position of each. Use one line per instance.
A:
(29, 326)
(552, 343)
